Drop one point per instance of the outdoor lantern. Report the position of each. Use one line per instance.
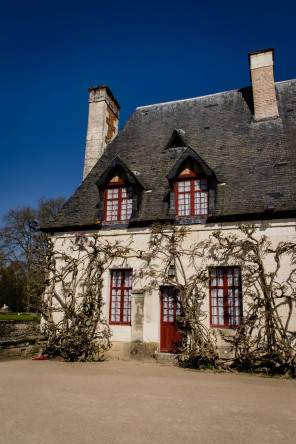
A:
(172, 271)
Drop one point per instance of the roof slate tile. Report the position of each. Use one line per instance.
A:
(255, 160)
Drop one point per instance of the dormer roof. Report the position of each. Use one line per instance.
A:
(117, 163)
(177, 139)
(187, 155)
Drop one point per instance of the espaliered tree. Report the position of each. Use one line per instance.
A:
(74, 294)
(265, 339)
(170, 249)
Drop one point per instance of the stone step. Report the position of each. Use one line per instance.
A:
(166, 358)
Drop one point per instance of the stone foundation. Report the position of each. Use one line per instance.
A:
(19, 339)
(132, 350)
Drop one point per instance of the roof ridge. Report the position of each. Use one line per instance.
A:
(203, 97)
(187, 100)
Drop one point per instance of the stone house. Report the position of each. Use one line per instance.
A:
(207, 162)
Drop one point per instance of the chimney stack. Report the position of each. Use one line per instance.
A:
(103, 118)
(262, 78)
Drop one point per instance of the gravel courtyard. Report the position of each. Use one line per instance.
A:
(130, 402)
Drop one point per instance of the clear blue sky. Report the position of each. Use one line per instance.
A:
(145, 51)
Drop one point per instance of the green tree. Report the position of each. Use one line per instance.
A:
(21, 257)
(11, 287)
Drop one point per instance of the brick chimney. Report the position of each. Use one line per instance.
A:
(262, 77)
(103, 118)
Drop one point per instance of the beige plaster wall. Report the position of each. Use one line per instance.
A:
(277, 231)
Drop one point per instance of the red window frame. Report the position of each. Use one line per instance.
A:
(192, 192)
(120, 296)
(124, 194)
(226, 310)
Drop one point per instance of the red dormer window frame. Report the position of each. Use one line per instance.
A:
(187, 189)
(118, 197)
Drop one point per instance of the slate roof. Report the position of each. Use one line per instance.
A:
(254, 162)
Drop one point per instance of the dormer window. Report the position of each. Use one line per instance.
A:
(118, 200)
(193, 188)
(120, 192)
(191, 192)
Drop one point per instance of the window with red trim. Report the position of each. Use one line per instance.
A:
(225, 297)
(191, 193)
(118, 201)
(120, 298)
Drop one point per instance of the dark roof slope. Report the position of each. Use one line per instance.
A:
(255, 160)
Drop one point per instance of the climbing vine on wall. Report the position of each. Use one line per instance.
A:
(74, 294)
(265, 339)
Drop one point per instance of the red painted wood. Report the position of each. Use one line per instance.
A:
(119, 199)
(192, 193)
(225, 297)
(120, 302)
(170, 309)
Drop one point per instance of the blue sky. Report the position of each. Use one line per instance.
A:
(145, 51)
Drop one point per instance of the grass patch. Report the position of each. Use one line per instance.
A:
(15, 317)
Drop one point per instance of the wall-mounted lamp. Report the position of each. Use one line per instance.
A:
(172, 271)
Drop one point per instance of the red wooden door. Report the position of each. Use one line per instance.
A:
(170, 309)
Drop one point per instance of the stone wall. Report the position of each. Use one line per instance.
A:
(103, 118)
(19, 339)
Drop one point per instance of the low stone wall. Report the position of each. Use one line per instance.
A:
(19, 339)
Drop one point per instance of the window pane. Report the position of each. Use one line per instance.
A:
(187, 185)
(120, 306)
(200, 197)
(128, 275)
(112, 193)
(236, 273)
(220, 277)
(213, 277)
(112, 210)
(226, 301)
(124, 192)
(187, 204)
(171, 305)
(197, 204)
(181, 187)
(229, 276)
(126, 203)
(192, 191)
(203, 203)
(119, 197)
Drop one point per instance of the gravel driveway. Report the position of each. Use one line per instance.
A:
(130, 402)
